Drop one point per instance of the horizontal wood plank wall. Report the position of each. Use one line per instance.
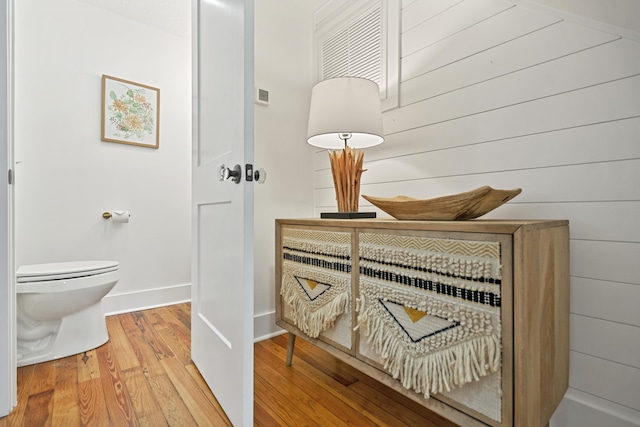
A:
(496, 93)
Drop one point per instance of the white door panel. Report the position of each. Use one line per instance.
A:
(222, 272)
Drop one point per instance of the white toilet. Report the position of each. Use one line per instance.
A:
(59, 308)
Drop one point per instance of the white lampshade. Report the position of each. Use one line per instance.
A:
(345, 105)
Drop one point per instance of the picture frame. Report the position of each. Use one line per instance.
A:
(130, 112)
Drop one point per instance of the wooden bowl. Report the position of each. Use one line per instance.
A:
(469, 205)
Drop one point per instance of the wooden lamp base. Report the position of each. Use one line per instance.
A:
(346, 168)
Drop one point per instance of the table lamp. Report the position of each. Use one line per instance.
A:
(345, 115)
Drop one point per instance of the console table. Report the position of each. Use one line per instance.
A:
(468, 318)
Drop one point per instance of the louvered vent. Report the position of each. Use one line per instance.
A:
(355, 50)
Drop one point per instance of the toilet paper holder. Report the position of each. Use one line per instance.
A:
(109, 215)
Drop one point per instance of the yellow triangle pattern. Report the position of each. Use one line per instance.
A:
(312, 284)
(414, 314)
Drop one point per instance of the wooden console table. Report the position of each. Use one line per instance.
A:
(468, 318)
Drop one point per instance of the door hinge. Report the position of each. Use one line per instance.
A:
(10, 177)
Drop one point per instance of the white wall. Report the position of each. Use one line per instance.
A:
(495, 93)
(283, 67)
(67, 176)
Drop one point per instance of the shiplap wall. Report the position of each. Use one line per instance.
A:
(498, 93)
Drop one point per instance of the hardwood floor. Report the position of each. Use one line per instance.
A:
(144, 376)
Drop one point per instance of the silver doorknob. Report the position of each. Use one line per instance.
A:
(235, 174)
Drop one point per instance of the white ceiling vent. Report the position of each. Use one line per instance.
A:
(355, 49)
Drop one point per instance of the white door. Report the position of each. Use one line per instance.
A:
(222, 271)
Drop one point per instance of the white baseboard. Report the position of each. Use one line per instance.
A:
(264, 326)
(146, 299)
(579, 409)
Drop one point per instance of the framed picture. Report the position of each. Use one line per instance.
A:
(130, 112)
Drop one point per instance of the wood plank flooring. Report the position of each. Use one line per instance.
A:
(144, 376)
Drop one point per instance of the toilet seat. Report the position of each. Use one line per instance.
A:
(63, 270)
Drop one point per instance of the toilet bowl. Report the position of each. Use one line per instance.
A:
(59, 308)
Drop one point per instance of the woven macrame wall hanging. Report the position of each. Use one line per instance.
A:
(316, 280)
(430, 308)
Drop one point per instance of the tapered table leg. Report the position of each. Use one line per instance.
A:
(290, 344)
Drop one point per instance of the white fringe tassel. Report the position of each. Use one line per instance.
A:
(313, 322)
(435, 372)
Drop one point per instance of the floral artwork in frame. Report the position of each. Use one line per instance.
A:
(130, 112)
